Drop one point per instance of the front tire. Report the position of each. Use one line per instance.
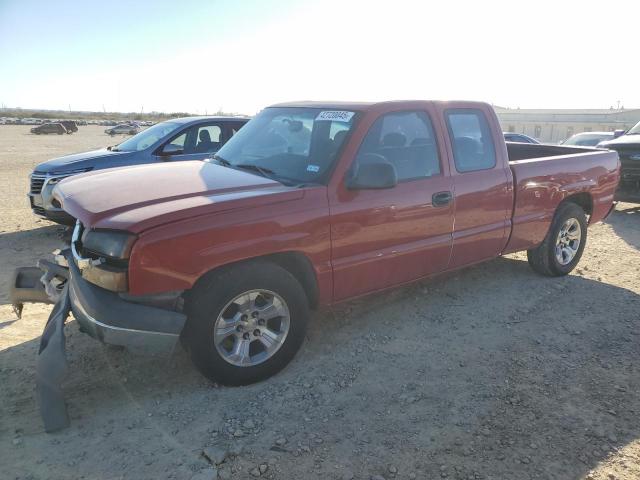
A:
(245, 323)
(562, 248)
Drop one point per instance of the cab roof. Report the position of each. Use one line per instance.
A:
(359, 106)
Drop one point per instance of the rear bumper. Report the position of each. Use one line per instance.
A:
(105, 316)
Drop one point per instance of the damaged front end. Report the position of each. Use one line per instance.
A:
(92, 285)
(41, 284)
(47, 283)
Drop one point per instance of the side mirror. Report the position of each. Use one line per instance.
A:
(372, 171)
(171, 149)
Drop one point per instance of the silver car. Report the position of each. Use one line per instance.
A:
(123, 129)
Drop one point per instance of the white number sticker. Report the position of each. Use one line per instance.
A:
(336, 115)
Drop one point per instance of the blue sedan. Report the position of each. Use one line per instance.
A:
(189, 138)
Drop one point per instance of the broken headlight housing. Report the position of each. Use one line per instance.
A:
(112, 244)
(102, 256)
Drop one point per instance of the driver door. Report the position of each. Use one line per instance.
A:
(195, 143)
(386, 237)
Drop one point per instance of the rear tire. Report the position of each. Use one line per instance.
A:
(562, 248)
(245, 323)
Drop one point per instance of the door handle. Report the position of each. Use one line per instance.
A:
(441, 199)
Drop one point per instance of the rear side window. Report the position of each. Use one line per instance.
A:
(407, 141)
(471, 139)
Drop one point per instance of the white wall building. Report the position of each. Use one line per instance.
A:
(553, 126)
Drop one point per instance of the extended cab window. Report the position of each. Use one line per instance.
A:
(471, 139)
(407, 141)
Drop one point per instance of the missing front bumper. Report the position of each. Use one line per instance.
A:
(100, 313)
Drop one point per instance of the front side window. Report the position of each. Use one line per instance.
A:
(179, 141)
(407, 141)
(207, 139)
(471, 139)
(293, 145)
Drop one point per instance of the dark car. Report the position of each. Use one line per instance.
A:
(70, 125)
(189, 138)
(628, 148)
(49, 128)
(519, 138)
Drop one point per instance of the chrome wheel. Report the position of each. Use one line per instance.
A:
(568, 241)
(251, 328)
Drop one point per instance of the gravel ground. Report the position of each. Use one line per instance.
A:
(490, 373)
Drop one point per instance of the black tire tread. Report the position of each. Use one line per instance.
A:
(542, 258)
(210, 295)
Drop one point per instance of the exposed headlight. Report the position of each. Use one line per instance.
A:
(112, 244)
(102, 258)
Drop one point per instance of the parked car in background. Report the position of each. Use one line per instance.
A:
(70, 125)
(49, 128)
(519, 138)
(628, 148)
(588, 139)
(123, 128)
(312, 204)
(190, 138)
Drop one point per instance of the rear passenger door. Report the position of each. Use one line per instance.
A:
(481, 182)
(382, 238)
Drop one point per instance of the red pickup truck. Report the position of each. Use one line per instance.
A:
(311, 204)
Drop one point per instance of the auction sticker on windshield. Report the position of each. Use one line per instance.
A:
(336, 115)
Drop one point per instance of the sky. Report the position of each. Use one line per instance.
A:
(242, 55)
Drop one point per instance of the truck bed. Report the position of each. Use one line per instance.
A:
(528, 151)
(544, 175)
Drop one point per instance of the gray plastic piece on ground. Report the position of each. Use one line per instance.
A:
(51, 367)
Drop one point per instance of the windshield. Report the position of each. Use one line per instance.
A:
(291, 145)
(588, 140)
(635, 130)
(147, 137)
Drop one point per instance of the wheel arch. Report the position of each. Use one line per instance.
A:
(583, 199)
(296, 263)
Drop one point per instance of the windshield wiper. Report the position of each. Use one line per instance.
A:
(221, 160)
(265, 172)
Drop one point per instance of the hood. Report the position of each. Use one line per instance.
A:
(82, 160)
(622, 142)
(142, 197)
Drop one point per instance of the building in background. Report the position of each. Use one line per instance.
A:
(553, 126)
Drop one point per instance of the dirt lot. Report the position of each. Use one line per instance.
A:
(494, 372)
